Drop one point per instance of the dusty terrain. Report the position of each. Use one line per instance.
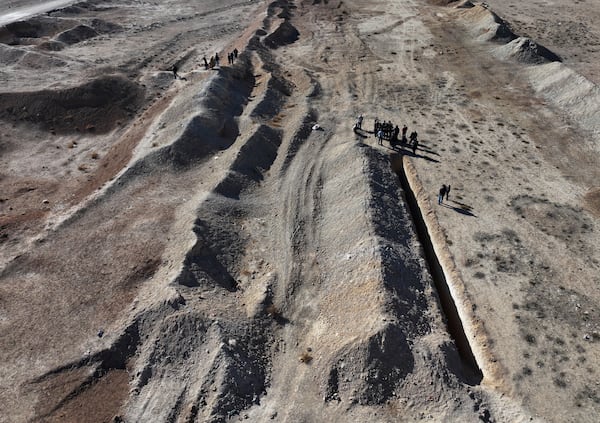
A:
(196, 249)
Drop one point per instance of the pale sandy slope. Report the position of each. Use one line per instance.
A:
(242, 265)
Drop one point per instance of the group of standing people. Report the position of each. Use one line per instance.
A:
(215, 60)
(387, 131)
(209, 64)
(232, 56)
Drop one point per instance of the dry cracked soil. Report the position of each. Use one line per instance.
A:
(225, 245)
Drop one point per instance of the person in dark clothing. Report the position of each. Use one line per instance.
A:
(447, 192)
(217, 59)
(174, 69)
(235, 53)
(413, 136)
(395, 135)
(414, 146)
(404, 131)
(205, 63)
(441, 194)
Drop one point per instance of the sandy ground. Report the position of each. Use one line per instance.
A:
(195, 249)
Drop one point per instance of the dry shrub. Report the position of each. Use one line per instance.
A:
(305, 357)
(273, 311)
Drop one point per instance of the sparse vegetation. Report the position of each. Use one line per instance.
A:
(305, 357)
(273, 311)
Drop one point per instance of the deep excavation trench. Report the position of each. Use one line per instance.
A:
(472, 371)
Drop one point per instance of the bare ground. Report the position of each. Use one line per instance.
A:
(193, 250)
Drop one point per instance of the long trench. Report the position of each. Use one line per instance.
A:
(471, 369)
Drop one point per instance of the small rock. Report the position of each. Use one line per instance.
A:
(100, 333)
(45, 202)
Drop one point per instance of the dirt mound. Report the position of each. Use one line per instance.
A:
(525, 50)
(442, 2)
(10, 55)
(570, 91)
(487, 25)
(255, 158)
(211, 129)
(385, 358)
(51, 45)
(75, 9)
(216, 129)
(213, 369)
(465, 4)
(105, 27)
(68, 31)
(22, 32)
(96, 106)
(33, 60)
(77, 34)
(286, 33)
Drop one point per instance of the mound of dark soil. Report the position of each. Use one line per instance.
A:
(37, 27)
(385, 359)
(33, 60)
(10, 55)
(97, 106)
(105, 27)
(502, 31)
(77, 34)
(286, 33)
(75, 9)
(442, 2)
(67, 31)
(464, 4)
(51, 45)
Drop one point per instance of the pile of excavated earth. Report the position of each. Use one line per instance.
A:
(221, 244)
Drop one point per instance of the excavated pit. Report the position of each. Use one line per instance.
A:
(471, 369)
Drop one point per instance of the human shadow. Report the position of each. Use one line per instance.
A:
(281, 320)
(361, 133)
(403, 150)
(464, 209)
(425, 148)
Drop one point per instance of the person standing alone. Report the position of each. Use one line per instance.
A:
(441, 194)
